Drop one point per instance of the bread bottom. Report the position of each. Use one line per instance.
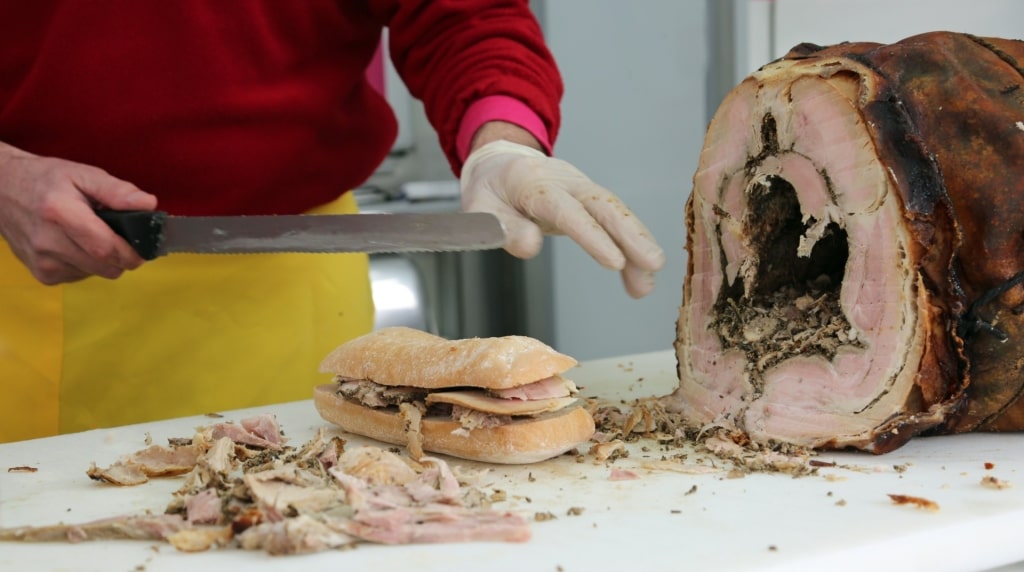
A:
(522, 441)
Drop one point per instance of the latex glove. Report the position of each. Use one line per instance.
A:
(533, 194)
(47, 218)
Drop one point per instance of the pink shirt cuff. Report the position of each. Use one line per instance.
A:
(499, 108)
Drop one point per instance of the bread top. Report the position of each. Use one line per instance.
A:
(401, 356)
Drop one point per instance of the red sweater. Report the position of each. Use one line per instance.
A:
(254, 106)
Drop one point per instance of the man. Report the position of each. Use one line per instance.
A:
(247, 107)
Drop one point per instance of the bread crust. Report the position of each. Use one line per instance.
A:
(526, 440)
(400, 356)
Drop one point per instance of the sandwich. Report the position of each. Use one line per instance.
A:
(498, 400)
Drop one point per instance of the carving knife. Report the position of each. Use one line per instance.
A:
(156, 233)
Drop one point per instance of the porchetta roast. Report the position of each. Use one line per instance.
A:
(856, 240)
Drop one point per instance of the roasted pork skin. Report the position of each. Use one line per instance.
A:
(873, 187)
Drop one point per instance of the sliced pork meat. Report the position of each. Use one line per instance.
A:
(856, 242)
(554, 386)
(261, 432)
(289, 490)
(153, 461)
(439, 523)
(395, 504)
(373, 394)
(300, 535)
(121, 473)
(288, 500)
(436, 484)
(134, 527)
(212, 467)
(203, 507)
(201, 538)
(375, 466)
(265, 427)
(470, 419)
(373, 478)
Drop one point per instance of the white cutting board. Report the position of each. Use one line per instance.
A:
(841, 519)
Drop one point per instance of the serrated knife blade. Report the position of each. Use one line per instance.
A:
(155, 233)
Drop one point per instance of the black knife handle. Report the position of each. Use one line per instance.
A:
(144, 230)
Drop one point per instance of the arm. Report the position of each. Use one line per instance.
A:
(47, 218)
(491, 89)
(503, 131)
(456, 57)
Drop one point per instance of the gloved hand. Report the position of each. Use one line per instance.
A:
(47, 218)
(533, 194)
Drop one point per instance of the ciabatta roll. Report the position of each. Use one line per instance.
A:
(499, 400)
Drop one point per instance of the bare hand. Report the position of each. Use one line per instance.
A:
(46, 215)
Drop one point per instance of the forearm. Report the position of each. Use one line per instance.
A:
(472, 62)
(497, 130)
(9, 151)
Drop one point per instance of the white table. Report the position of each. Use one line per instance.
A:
(836, 520)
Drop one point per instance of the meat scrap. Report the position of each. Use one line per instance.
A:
(854, 235)
(438, 523)
(917, 502)
(153, 461)
(609, 451)
(991, 482)
(300, 535)
(710, 448)
(618, 474)
(287, 500)
(136, 527)
(261, 431)
(180, 457)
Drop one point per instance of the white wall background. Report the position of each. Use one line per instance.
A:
(772, 27)
(633, 119)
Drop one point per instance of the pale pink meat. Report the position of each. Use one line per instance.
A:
(819, 150)
(555, 386)
(436, 484)
(319, 497)
(300, 535)
(265, 427)
(203, 507)
(618, 474)
(439, 523)
(289, 488)
(153, 461)
(262, 432)
(137, 527)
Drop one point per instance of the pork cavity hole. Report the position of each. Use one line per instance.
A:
(800, 316)
(790, 306)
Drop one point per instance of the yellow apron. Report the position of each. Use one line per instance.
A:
(182, 335)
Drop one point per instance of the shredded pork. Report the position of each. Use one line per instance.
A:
(257, 493)
(549, 394)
